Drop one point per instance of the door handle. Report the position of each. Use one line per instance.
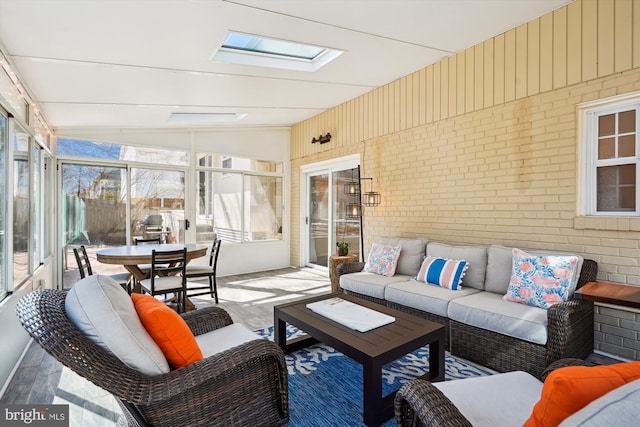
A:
(187, 224)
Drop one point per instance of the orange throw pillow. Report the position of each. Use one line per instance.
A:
(567, 390)
(168, 330)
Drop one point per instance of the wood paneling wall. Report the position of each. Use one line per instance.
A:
(584, 40)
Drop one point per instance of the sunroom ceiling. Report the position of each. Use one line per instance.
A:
(132, 63)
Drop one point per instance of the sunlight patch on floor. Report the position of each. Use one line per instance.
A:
(281, 298)
(245, 295)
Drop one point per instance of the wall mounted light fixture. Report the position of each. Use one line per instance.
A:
(322, 139)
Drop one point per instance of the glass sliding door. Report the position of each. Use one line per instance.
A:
(327, 220)
(346, 228)
(157, 204)
(318, 220)
(93, 212)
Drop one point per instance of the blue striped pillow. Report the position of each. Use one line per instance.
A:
(446, 273)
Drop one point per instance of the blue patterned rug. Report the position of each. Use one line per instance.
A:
(325, 386)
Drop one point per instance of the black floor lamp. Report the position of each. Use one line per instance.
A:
(368, 198)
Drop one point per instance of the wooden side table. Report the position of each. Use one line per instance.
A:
(334, 262)
(610, 293)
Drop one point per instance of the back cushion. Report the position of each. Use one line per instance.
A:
(411, 254)
(500, 264)
(476, 256)
(103, 311)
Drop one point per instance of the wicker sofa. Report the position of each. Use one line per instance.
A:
(480, 325)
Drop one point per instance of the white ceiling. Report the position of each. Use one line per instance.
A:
(131, 63)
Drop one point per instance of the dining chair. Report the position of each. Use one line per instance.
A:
(167, 276)
(84, 267)
(141, 241)
(196, 271)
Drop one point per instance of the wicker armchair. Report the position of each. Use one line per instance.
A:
(420, 403)
(244, 386)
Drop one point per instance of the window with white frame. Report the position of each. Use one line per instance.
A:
(240, 199)
(611, 168)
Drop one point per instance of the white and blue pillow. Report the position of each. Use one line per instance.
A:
(443, 272)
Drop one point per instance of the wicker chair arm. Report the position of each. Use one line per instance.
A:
(588, 273)
(420, 403)
(563, 363)
(241, 360)
(569, 330)
(570, 324)
(207, 319)
(349, 267)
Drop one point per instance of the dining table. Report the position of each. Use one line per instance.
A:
(132, 257)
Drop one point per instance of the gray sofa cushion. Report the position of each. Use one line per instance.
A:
(411, 255)
(423, 296)
(488, 310)
(619, 407)
(500, 265)
(370, 284)
(476, 256)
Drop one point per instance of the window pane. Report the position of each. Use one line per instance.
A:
(606, 125)
(628, 198)
(238, 163)
(94, 205)
(87, 149)
(49, 191)
(235, 206)
(102, 150)
(627, 174)
(606, 148)
(21, 217)
(616, 188)
(627, 121)
(263, 207)
(627, 146)
(219, 206)
(3, 183)
(37, 208)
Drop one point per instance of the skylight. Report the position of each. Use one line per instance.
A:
(206, 117)
(247, 49)
(273, 47)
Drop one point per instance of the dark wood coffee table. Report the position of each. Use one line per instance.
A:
(372, 349)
